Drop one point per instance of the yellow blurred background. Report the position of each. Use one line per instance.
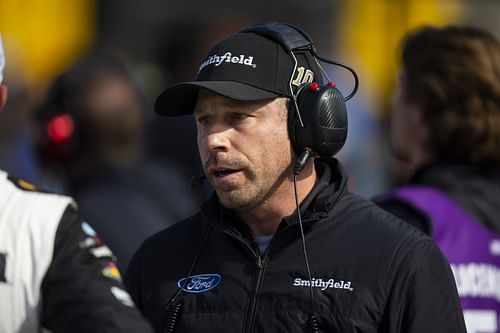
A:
(43, 37)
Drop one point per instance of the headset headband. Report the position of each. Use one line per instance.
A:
(288, 36)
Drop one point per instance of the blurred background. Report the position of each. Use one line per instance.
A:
(160, 42)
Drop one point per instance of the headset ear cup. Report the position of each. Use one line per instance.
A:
(324, 116)
(57, 131)
(58, 124)
(56, 140)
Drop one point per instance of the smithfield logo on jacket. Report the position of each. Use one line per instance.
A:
(199, 283)
(323, 284)
(227, 57)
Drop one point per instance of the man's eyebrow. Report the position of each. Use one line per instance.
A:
(196, 108)
(196, 111)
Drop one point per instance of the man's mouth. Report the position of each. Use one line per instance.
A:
(224, 172)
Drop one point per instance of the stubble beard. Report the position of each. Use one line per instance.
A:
(257, 190)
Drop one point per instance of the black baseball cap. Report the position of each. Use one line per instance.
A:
(246, 67)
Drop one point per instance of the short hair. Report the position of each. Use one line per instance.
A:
(453, 74)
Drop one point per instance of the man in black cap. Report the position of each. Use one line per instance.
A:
(282, 246)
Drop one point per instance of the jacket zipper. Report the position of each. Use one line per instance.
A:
(261, 262)
(249, 317)
(250, 314)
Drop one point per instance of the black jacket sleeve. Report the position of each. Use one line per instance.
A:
(424, 296)
(82, 290)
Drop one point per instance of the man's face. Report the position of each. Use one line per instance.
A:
(244, 148)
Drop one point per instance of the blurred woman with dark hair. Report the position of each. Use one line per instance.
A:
(446, 125)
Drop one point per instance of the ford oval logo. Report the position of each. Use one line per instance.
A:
(199, 283)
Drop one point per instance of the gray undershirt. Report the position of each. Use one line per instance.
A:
(263, 242)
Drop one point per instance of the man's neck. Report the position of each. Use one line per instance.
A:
(265, 218)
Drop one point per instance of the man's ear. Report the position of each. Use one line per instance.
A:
(3, 95)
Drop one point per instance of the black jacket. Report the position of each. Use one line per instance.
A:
(370, 272)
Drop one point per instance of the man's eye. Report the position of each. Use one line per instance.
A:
(238, 116)
(203, 120)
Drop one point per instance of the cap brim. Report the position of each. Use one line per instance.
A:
(181, 98)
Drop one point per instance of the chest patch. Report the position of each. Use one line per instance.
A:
(199, 283)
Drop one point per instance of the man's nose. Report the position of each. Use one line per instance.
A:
(218, 138)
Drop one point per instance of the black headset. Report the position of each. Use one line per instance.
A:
(317, 118)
